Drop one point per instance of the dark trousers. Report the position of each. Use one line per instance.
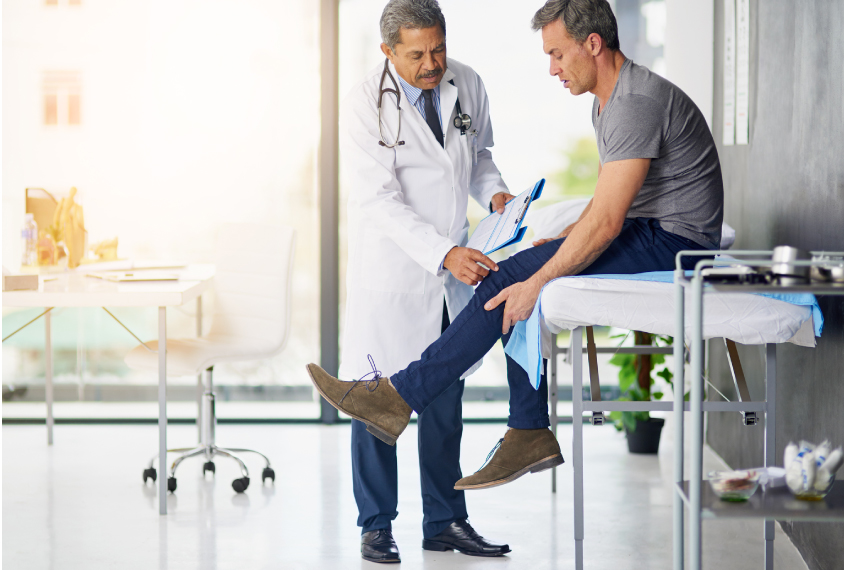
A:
(641, 246)
(375, 472)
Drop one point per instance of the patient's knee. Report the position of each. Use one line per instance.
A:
(493, 283)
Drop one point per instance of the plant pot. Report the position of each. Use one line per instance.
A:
(646, 437)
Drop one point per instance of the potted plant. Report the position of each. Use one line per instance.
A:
(635, 380)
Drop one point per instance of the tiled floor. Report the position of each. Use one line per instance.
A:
(81, 504)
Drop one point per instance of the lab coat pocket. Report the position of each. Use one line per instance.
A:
(385, 267)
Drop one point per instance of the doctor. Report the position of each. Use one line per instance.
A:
(411, 171)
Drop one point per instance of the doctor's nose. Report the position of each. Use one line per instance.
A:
(554, 68)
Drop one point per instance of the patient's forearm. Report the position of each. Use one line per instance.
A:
(588, 239)
(582, 215)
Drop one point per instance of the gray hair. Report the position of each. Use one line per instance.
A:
(411, 15)
(581, 18)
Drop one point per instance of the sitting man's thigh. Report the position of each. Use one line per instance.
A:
(639, 248)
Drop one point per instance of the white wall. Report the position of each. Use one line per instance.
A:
(689, 50)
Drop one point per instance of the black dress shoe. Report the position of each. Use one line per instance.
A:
(460, 536)
(379, 546)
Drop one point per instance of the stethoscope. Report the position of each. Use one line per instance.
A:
(462, 121)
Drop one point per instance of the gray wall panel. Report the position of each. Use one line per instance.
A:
(787, 187)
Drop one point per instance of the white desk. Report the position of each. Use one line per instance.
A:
(74, 289)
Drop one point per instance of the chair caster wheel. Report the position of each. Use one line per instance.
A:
(240, 485)
(171, 484)
(209, 466)
(150, 474)
(268, 473)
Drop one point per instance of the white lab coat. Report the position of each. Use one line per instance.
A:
(406, 210)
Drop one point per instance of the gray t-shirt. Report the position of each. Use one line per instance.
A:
(650, 117)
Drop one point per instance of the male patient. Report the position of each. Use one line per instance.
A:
(659, 191)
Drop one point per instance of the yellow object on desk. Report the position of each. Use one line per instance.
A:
(69, 224)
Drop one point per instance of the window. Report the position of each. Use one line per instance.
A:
(196, 114)
(62, 98)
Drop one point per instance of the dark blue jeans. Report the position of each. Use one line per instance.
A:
(641, 246)
(375, 466)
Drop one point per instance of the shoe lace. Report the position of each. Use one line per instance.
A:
(491, 453)
(371, 384)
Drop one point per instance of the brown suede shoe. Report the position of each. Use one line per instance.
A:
(520, 451)
(374, 402)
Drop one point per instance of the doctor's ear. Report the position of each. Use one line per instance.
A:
(387, 52)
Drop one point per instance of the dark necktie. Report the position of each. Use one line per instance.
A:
(431, 116)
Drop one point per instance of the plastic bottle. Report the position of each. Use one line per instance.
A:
(29, 237)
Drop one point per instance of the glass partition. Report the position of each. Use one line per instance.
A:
(170, 118)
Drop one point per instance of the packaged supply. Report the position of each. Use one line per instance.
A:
(807, 473)
(826, 471)
(822, 452)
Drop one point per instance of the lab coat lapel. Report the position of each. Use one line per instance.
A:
(448, 97)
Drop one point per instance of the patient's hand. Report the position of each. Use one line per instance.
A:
(518, 299)
(465, 264)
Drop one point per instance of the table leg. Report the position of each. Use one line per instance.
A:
(696, 409)
(48, 374)
(770, 438)
(162, 410)
(552, 376)
(577, 442)
(679, 416)
(199, 384)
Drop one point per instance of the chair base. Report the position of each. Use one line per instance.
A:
(208, 449)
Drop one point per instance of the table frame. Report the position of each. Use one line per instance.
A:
(749, 409)
(52, 299)
(753, 258)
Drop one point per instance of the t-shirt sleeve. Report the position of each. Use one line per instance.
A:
(635, 129)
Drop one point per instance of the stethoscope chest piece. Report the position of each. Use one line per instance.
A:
(463, 122)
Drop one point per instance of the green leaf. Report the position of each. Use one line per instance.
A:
(615, 418)
(656, 395)
(665, 339)
(629, 421)
(657, 359)
(666, 375)
(622, 360)
(626, 379)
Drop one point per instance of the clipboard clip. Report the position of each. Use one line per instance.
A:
(523, 210)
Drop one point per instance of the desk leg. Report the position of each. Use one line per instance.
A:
(696, 409)
(199, 385)
(48, 374)
(770, 438)
(162, 410)
(577, 442)
(679, 416)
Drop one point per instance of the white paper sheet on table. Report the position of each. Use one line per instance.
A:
(648, 306)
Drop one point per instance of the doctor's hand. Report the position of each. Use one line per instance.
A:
(464, 263)
(518, 299)
(499, 200)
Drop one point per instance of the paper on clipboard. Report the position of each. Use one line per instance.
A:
(500, 230)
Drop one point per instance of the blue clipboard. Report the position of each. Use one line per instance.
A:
(501, 230)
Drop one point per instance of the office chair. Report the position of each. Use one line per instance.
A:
(251, 320)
